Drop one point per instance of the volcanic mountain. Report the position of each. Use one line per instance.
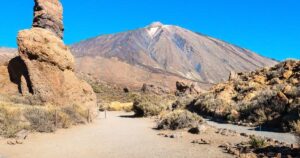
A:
(162, 54)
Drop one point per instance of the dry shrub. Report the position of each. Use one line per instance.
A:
(149, 105)
(10, 120)
(77, 114)
(117, 106)
(296, 126)
(179, 119)
(41, 120)
(183, 102)
(207, 104)
(15, 117)
(257, 142)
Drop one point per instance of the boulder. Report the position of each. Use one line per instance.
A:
(185, 89)
(41, 45)
(150, 88)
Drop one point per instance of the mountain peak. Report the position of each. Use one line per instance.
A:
(155, 24)
(172, 50)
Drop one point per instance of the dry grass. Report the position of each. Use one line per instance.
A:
(15, 117)
(10, 120)
(117, 106)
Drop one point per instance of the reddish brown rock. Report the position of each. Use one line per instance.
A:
(48, 14)
(185, 89)
(44, 70)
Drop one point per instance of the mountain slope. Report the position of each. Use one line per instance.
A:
(172, 50)
(6, 54)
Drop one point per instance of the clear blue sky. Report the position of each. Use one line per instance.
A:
(268, 27)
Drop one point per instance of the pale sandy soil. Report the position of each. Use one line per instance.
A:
(282, 137)
(116, 137)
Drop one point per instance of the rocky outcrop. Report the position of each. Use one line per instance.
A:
(269, 97)
(185, 89)
(48, 14)
(44, 70)
(150, 88)
(41, 45)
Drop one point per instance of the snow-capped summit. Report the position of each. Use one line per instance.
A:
(155, 24)
(167, 52)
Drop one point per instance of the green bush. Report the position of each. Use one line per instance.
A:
(179, 119)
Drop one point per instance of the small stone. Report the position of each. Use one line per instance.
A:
(10, 142)
(22, 134)
(194, 130)
(19, 142)
(244, 134)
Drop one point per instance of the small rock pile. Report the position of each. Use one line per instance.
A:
(271, 149)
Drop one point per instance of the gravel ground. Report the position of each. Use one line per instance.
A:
(283, 137)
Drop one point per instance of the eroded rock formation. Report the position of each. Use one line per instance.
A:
(47, 63)
(48, 14)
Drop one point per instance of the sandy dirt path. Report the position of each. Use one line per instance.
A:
(114, 137)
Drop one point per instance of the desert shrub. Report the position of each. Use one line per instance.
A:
(179, 119)
(77, 114)
(41, 120)
(262, 107)
(96, 88)
(16, 117)
(10, 120)
(207, 104)
(182, 102)
(117, 106)
(149, 105)
(257, 142)
(296, 126)
(63, 120)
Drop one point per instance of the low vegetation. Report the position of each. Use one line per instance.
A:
(117, 106)
(149, 105)
(108, 93)
(257, 142)
(16, 117)
(296, 126)
(179, 119)
(269, 97)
